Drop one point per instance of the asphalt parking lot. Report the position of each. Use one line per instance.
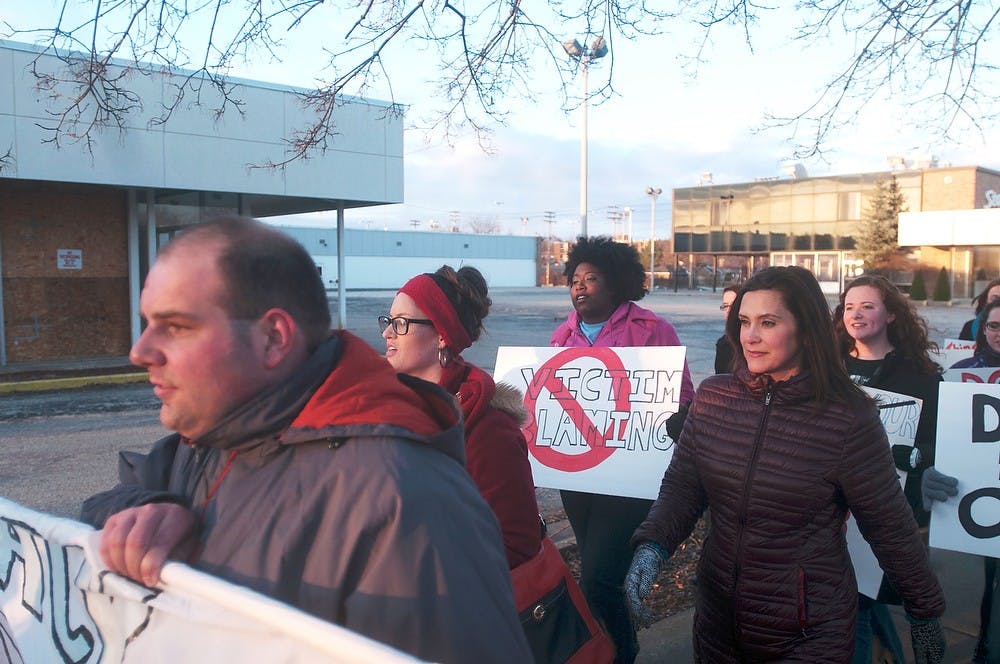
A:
(61, 446)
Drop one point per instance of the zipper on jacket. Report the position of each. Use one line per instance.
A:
(744, 498)
(803, 608)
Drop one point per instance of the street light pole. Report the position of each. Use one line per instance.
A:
(597, 50)
(653, 193)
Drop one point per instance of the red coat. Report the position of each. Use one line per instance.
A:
(496, 456)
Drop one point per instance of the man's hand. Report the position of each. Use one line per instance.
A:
(137, 542)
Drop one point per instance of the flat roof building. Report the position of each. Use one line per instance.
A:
(814, 222)
(81, 222)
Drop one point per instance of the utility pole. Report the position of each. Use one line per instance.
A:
(614, 216)
(550, 218)
(652, 193)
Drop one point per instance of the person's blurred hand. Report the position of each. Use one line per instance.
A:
(136, 542)
(675, 423)
(935, 485)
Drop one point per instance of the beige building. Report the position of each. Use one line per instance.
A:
(727, 231)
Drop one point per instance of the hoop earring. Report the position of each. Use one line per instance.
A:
(444, 356)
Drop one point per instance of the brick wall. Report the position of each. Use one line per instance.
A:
(51, 313)
(949, 189)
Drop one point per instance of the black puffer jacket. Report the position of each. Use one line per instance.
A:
(775, 580)
(901, 374)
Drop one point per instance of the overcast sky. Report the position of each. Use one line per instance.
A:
(664, 129)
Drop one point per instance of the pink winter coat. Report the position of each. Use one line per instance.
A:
(629, 325)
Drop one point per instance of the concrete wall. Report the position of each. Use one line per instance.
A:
(962, 188)
(385, 259)
(949, 228)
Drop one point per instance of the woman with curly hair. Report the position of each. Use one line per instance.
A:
(605, 279)
(884, 344)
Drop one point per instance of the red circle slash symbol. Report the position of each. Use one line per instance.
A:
(545, 377)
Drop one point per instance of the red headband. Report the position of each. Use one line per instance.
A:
(434, 303)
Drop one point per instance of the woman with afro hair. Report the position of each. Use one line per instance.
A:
(605, 279)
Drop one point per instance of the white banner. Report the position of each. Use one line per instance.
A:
(597, 415)
(900, 414)
(59, 604)
(953, 350)
(968, 447)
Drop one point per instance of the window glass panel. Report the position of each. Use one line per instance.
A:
(826, 269)
(849, 205)
(802, 208)
(781, 210)
(825, 207)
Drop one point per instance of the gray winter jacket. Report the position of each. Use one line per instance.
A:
(343, 492)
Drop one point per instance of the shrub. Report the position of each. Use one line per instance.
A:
(918, 289)
(942, 289)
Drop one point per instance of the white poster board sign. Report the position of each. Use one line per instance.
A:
(58, 604)
(973, 375)
(597, 415)
(968, 447)
(900, 415)
(953, 350)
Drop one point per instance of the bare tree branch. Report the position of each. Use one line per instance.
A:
(928, 53)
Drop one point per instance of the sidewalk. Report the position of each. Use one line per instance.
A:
(960, 574)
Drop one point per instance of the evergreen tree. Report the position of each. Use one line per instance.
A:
(918, 289)
(942, 289)
(878, 241)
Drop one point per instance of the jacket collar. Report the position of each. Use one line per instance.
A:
(345, 389)
(988, 356)
(796, 389)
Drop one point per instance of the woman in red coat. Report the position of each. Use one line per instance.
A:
(433, 318)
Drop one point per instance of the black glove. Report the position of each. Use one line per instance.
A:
(906, 457)
(675, 423)
(936, 486)
(639, 582)
(928, 640)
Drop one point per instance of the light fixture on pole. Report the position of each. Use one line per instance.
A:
(597, 50)
(652, 193)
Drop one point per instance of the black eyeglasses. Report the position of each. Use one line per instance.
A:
(399, 324)
(993, 326)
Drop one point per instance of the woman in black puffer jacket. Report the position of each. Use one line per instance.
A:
(884, 344)
(780, 451)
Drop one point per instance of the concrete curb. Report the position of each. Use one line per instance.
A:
(45, 384)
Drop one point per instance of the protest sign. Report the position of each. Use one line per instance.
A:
(597, 415)
(968, 447)
(900, 415)
(58, 604)
(973, 375)
(953, 350)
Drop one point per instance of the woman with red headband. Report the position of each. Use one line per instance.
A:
(433, 318)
